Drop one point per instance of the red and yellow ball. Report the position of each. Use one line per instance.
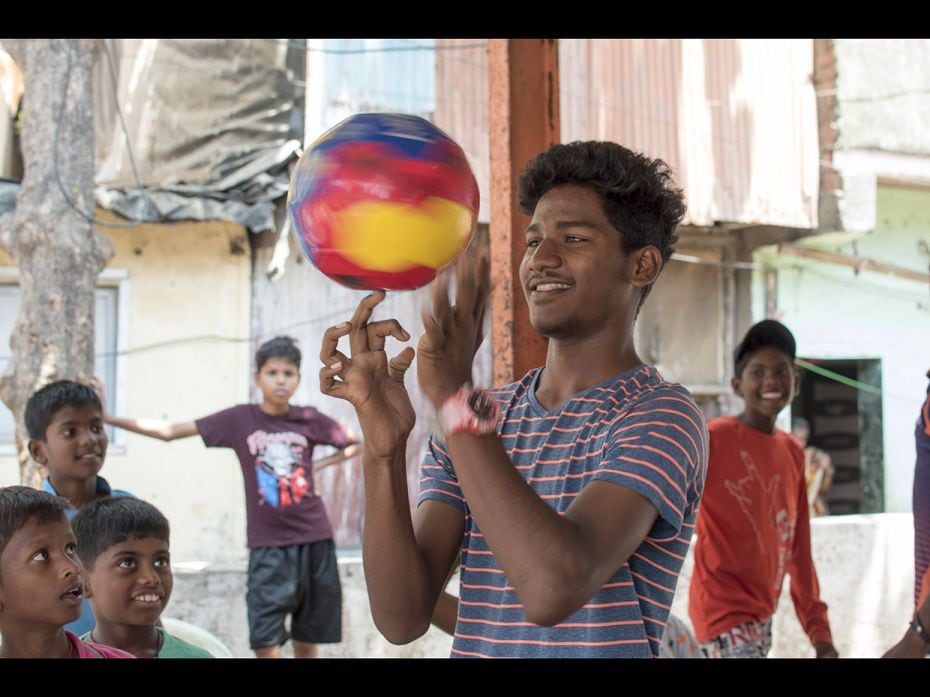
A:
(383, 201)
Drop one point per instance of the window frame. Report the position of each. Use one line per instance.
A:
(108, 278)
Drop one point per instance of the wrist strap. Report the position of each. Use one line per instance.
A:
(919, 629)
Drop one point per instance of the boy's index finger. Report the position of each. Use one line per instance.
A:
(466, 285)
(330, 344)
(358, 337)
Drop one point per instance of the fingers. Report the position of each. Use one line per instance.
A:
(398, 365)
(483, 284)
(358, 336)
(328, 383)
(441, 306)
(328, 348)
(379, 331)
(466, 284)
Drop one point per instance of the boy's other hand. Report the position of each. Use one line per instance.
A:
(368, 380)
(825, 649)
(453, 333)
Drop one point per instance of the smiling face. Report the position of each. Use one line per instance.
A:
(75, 444)
(766, 384)
(130, 582)
(575, 275)
(278, 378)
(41, 579)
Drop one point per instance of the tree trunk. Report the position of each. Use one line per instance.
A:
(57, 249)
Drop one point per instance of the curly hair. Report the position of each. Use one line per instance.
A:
(639, 194)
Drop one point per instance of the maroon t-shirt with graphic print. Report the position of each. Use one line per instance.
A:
(275, 453)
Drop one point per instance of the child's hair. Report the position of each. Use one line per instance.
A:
(109, 521)
(768, 332)
(279, 347)
(18, 504)
(638, 193)
(44, 403)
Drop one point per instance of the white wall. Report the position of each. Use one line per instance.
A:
(188, 356)
(836, 312)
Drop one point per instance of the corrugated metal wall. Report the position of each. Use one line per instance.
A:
(734, 118)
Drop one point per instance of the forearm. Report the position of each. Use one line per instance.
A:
(543, 554)
(154, 428)
(805, 587)
(396, 574)
(445, 614)
(346, 453)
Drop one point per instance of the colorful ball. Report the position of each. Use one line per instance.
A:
(383, 201)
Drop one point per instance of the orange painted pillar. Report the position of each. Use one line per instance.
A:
(523, 120)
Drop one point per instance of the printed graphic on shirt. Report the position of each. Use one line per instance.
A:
(282, 478)
(751, 491)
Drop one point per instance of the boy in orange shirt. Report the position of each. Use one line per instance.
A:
(753, 526)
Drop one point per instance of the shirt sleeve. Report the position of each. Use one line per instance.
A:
(216, 429)
(326, 430)
(805, 588)
(659, 450)
(437, 477)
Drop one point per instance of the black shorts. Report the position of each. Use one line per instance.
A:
(301, 581)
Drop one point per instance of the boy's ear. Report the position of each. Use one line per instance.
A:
(37, 451)
(88, 588)
(735, 383)
(647, 262)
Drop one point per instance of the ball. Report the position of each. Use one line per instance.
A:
(383, 201)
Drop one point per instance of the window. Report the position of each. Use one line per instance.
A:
(109, 341)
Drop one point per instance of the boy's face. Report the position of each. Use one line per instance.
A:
(75, 443)
(278, 378)
(575, 275)
(41, 578)
(131, 582)
(767, 382)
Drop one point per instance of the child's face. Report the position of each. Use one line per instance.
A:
(278, 379)
(41, 579)
(767, 382)
(75, 443)
(131, 582)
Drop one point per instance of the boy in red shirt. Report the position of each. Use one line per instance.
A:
(753, 526)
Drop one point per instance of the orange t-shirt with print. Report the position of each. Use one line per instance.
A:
(753, 528)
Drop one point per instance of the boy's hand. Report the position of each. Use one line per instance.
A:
(825, 649)
(453, 333)
(367, 380)
(97, 387)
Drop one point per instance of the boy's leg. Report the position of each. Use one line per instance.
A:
(273, 582)
(304, 650)
(318, 618)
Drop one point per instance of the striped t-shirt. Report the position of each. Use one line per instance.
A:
(635, 430)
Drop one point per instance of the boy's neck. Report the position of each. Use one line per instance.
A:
(142, 641)
(758, 422)
(78, 492)
(574, 366)
(273, 409)
(35, 642)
